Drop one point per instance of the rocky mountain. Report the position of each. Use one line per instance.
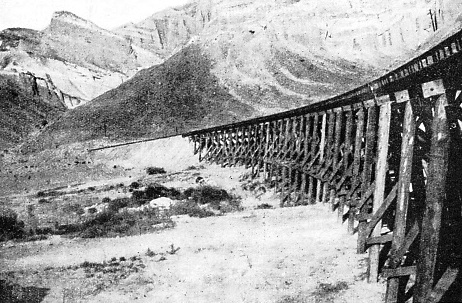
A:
(256, 57)
(74, 56)
(162, 100)
(62, 67)
(25, 108)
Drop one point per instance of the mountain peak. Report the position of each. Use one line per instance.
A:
(71, 18)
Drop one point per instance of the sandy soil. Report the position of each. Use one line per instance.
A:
(280, 255)
(299, 254)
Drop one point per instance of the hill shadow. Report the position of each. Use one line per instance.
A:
(15, 293)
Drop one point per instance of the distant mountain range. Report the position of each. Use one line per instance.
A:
(209, 62)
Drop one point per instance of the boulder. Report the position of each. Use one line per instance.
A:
(161, 203)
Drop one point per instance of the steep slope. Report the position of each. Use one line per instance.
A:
(165, 32)
(256, 56)
(74, 56)
(247, 58)
(167, 99)
(281, 54)
(23, 111)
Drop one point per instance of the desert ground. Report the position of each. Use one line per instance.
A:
(254, 254)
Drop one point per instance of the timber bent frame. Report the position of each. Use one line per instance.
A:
(387, 156)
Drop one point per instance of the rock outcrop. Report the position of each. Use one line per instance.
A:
(225, 60)
(80, 60)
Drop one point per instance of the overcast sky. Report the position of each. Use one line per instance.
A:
(36, 14)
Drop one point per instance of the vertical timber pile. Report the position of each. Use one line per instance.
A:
(387, 155)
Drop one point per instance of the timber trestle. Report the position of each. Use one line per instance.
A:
(386, 156)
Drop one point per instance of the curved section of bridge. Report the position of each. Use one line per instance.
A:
(386, 156)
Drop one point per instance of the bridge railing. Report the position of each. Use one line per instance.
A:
(386, 156)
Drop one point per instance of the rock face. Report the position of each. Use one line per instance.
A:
(225, 60)
(280, 54)
(163, 100)
(169, 30)
(25, 108)
(74, 56)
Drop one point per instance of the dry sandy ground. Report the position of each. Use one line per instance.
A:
(282, 255)
(296, 254)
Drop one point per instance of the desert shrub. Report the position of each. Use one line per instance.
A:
(190, 208)
(106, 200)
(183, 208)
(118, 203)
(153, 170)
(154, 191)
(10, 226)
(110, 224)
(208, 195)
(73, 208)
(193, 167)
(50, 193)
(135, 185)
(264, 206)
(31, 238)
(40, 194)
(44, 231)
(150, 253)
(327, 290)
(139, 195)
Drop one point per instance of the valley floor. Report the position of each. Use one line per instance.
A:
(299, 254)
(280, 255)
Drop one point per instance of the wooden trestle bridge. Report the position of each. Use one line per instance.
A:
(386, 156)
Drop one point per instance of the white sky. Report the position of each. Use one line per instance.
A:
(108, 14)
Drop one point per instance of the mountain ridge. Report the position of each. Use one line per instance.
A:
(265, 57)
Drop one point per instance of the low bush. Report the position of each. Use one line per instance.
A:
(111, 224)
(118, 203)
(50, 193)
(211, 198)
(73, 208)
(10, 226)
(106, 200)
(153, 170)
(135, 185)
(264, 206)
(190, 208)
(155, 191)
(43, 201)
(208, 195)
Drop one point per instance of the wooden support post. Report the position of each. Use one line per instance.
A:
(356, 168)
(328, 153)
(302, 196)
(303, 155)
(367, 173)
(265, 154)
(335, 156)
(312, 152)
(321, 153)
(283, 185)
(405, 173)
(295, 187)
(380, 179)
(436, 191)
(346, 156)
